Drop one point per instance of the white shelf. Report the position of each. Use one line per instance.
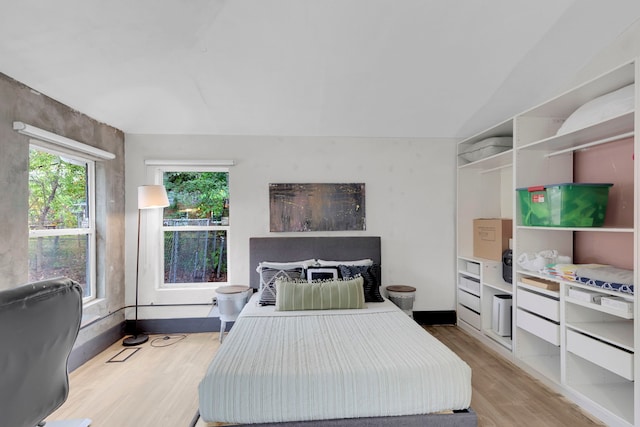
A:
(616, 398)
(556, 294)
(567, 102)
(502, 129)
(491, 163)
(505, 287)
(603, 291)
(612, 127)
(601, 308)
(547, 292)
(588, 229)
(549, 366)
(619, 334)
(503, 341)
(466, 273)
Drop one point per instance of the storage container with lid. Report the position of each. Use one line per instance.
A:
(564, 205)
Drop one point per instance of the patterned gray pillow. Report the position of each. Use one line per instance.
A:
(268, 277)
(371, 276)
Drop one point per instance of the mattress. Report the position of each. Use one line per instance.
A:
(330, 364)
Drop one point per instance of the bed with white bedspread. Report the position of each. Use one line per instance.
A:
(369, 366)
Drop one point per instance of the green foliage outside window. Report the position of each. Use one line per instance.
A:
(197, 199)
(196, 195)
(57, 192)
(58, 200)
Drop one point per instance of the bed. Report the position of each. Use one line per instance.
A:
(370, 366)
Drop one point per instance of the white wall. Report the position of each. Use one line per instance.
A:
(410, 201)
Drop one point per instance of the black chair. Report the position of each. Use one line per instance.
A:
(39, 323)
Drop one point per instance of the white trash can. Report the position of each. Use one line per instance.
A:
(231, 300)
(403, 296)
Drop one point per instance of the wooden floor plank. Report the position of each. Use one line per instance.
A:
(157, 386)
(505, 395)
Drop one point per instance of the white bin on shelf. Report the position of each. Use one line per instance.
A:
(501, 319)
(231, 300)
(402, 296)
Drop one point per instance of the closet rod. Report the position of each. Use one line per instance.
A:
(592, 144)
(495, 169)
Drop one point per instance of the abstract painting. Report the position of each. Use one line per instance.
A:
(317, 207)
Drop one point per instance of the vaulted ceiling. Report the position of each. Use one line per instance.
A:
(371, 68)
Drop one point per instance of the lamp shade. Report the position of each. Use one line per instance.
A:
(152, 196)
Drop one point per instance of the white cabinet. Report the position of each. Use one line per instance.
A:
(569, 337)
(485, 190)
(581, 347)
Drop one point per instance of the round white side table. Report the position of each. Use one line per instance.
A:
(231, 300)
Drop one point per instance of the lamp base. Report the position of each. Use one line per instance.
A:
(136, 339)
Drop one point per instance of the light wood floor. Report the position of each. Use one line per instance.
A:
(157, 386)
(505, 395)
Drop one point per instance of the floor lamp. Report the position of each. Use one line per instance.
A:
(149, 197)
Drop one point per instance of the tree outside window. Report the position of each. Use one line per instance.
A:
(196, 226)
(61, 226)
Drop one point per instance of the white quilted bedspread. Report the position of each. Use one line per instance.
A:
(275, 367)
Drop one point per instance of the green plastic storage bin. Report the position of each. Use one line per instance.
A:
(564, 205)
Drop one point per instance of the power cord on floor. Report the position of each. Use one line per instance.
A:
(167, 340)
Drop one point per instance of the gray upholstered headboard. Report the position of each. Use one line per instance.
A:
(285, 249)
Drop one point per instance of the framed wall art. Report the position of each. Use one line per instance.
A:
(317, 207)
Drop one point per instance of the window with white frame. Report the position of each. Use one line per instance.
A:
(62, 217)
(195, 225)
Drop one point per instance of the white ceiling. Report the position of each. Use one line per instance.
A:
(371, 68)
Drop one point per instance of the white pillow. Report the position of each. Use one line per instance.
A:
(360, 262)
(604, 107)
(285, 265)
(487, 147)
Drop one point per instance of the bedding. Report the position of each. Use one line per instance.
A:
(599, 109)
(278, 366)
(486, 147)
(596, 275)
(612, 286)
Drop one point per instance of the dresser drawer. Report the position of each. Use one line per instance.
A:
(600, 353)
(469, 316)
(538, 326)
(470, 285)
(469, 301)
(539, 304)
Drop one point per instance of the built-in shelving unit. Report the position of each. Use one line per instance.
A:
(484, 191)
(584, 349)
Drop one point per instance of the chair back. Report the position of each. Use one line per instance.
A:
(39, 323)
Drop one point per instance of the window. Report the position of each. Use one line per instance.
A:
(61, 218)
(196, 226)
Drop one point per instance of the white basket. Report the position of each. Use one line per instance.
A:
(404, 300)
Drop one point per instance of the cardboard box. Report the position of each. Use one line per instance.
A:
(491, 237)
(541, 283)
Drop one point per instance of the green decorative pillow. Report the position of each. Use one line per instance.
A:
(323, 295)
